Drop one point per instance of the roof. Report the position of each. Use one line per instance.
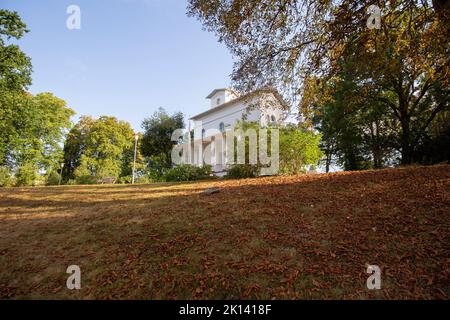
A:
(221, 89)
(244, 97)
(214, 92)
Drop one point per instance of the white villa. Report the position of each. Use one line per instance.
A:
(226, 108)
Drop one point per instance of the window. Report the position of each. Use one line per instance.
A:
(203, 133)
(218, 101)
(273, 119)
(222, 127)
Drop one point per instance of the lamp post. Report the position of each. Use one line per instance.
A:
(136, 137)
(60, 174)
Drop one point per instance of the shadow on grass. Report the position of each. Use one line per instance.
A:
(280, 237)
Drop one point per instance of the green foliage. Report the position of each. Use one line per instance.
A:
(298, 149)
(157, 166)
(158, 130)
(11, 25)
(143, 180)
(83, 180)
(434, 147)
(71, 182)
(74, 147)
(51, 127)
(15, 66)
(125, 180)
(26, 175)
(32, 129)
(53, 179)
(357, 133)
(99, 148)
(204, 171)
(187, 172)
(6, 177)
(83, 174)
(362, 129)
(242, 171)
(395, 78)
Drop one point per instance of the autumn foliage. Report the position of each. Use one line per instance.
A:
(297, 237)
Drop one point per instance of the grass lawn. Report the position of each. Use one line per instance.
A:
(298, 237)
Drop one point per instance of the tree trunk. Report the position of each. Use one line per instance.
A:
(378, 152)
(405, 142)
(375, 144)
(327, 160)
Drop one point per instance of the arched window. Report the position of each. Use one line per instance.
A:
(273, 119)
(222, 127)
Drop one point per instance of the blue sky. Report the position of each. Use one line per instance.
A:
(129, 58)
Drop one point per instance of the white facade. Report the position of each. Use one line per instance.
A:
(221, 96)
(226, 109)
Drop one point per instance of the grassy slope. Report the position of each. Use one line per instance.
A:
(279, 237)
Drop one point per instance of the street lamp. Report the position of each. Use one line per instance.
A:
(60, 174)
(136, 137)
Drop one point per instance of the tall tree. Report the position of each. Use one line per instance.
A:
(15, 66)
(31, 127)
(406, 58)
(32, 130)
(158, 130)
(358, 131)
(298, 148)
(98, 148)
(282, 42)
(15, 76)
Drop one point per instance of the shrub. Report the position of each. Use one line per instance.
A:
(83, 175)
(71, 182)
(241, 171)
(137, 179)
(40, 180)
(187, 172)
(26, 175)
(299, 149)
(124, 180)
(157, 167)
(53, 179)
(143, 179)
(86, 179)
(204, 171)
(6, 177)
